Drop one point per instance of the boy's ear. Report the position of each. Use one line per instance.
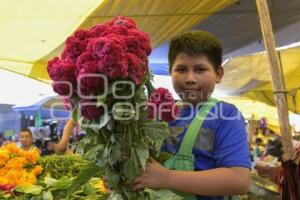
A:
(220, 74)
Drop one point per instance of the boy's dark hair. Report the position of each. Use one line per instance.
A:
(26, 130)
(196, 43)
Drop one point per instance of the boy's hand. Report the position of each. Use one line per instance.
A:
(155, 176)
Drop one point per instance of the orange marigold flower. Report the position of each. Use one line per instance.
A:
(37, 169)
(33, 156)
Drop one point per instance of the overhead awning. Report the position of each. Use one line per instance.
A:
(34, 31)
(250, 76)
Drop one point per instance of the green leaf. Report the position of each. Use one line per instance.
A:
(155, 130)
(115, 196)
(31, 189)
(89, 190)
(91, 154)
(114, 177)
(49, 180)
(62, 183)
(101, 100)
(4, 195)
(123, 111)
(162, 194)
(142, 154)
(104, 119)
(115, 153)
(47, 195)
(85, 174)
(75, 114)
(131, 166)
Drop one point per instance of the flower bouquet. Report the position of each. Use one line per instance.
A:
(104, 78)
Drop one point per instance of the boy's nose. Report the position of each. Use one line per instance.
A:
(190, 78)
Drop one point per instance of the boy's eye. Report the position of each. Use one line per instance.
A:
(179, 69)
(199, 69)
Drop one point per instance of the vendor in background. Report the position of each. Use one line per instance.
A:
(258, 150)
(26, 140)
(274, 148)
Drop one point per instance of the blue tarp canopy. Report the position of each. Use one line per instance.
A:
(47, 108)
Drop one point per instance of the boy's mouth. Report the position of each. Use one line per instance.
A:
(190, 90)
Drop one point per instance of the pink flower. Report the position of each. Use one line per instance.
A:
(161, 105)
(89, 110)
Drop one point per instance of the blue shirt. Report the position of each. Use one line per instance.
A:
(221, 141)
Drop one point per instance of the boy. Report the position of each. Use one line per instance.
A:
(221, 155)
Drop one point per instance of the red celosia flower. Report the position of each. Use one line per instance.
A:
(123, 21)
(90, 79)
(63, 88)
(82, 34)
(143, 39)
(115, 30)
(161, 105)
(98, 29)
(68, 103)
(136, 68)
(74, 47)
(89, 110)
(63, 74)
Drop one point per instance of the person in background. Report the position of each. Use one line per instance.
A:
(26, 140)
(67, 132)
(49, 148)
(274, 148)
(258, 149)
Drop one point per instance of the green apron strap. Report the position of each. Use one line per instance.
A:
(186, 147)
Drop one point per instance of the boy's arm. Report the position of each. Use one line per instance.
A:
(214, 182)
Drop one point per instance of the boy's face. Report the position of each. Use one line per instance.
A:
(25, 138)
(194, 77)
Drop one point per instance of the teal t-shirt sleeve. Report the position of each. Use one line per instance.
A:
(231, 146)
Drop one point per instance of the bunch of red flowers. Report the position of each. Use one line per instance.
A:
(114, 50)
